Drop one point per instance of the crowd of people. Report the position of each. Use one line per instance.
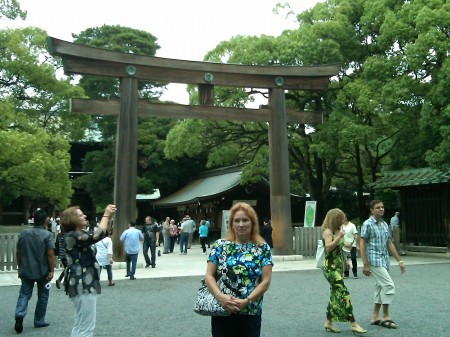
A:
(243, 257)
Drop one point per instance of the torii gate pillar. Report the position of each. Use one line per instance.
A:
(126, 159)
(280, 201)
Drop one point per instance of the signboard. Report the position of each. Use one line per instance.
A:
(225, 219)
(310, 213)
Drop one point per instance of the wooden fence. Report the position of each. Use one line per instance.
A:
(304, 241)
(8, 260)
(8, 243)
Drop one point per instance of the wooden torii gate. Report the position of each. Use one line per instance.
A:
(131, 68)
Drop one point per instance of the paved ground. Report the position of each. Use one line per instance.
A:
(159, 303)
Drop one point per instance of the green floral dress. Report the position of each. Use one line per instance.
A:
(339, 308)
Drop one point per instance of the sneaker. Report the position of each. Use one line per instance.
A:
(58, 284)
(345, 276)
(19, 325)
(159, 252)
(43, 325)
(355, 276)
(147, 265)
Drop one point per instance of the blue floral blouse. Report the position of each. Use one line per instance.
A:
(243, 264)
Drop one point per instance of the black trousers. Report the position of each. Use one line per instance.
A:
(236, 326)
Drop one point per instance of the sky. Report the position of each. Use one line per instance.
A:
(185, 30)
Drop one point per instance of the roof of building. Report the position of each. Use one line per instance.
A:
(413, 177)
(155, 195)
(207, 185)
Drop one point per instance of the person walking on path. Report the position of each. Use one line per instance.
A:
(187, 227)
(266, 232)
(104, 257)
(82, 281)
(376, 244)
(61, 252)
(351, 244)
(395, 231)
(150, 231)
(339, 307)
(166, 235)
(173, 234)
(35, 254)
(203, 234)
(245, 259)
(132, 238)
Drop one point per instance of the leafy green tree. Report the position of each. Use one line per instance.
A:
(36, 125)
(10, 9)
(28, 78)
(34, 164)
(386, 108)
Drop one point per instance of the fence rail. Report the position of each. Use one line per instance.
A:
(304, 243)
(8, 244)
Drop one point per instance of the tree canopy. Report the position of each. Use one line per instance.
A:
(387, 109)
(36, 125)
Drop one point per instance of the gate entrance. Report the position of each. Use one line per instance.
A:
(131, 68)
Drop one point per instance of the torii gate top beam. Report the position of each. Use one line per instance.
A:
(84, 60)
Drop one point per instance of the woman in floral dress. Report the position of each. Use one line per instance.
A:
(246, 260)
(339, 308)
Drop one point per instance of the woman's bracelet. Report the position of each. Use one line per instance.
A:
(106, 216)
(215, 296)
(249, 300)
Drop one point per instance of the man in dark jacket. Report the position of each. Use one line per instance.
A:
(36, 264)
(151, 237)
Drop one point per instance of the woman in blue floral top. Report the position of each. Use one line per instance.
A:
(81, 281)
(246, 260)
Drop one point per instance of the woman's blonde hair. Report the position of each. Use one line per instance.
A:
(333, 220)
(69, 219)
(250, 212)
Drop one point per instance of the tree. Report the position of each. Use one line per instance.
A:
(34, 164)
(10, 9)
(36, 125)
(386, 109)
(28, 78)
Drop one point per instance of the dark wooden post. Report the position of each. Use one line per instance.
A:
(126, 162)
(206, 94)
(280, 202)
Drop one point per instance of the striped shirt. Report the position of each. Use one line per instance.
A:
(377, 236)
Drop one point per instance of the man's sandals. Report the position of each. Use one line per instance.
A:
(388, 323)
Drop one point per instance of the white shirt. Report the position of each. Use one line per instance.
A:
(350, 231)
(104, 247)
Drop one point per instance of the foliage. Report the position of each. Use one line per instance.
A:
(28, 78)
(34, 165)
(10, 9)
(36, 124)
(386, 109)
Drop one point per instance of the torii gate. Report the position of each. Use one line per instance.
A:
(131, 68)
